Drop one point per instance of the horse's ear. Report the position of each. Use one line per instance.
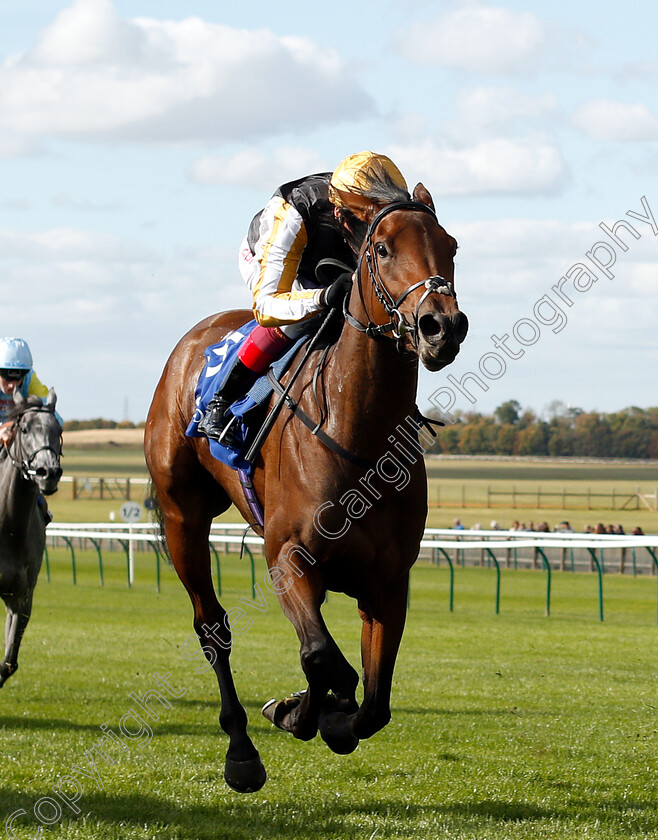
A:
(421, 193)
(51, 399)
(19, 399)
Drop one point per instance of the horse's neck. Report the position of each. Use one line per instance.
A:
(17, 499)
(372, 387)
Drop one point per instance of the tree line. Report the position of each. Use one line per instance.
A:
(566, 431)
(100, 423)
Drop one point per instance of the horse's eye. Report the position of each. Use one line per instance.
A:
(381, 249)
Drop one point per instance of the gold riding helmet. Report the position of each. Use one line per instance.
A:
(358, 173)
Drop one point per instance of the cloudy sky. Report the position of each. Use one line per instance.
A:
(138, 138)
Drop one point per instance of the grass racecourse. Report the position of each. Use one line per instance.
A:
(508, 726)
(504, 726)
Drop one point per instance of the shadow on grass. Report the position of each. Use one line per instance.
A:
(250, 818)
(242, 818)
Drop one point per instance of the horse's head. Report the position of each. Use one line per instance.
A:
(37, 444)
(406, 278)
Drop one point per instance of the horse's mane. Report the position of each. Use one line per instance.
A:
(32, 401)
(381, 190)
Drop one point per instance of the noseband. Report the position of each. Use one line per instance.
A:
(20, 459)
(398, 326)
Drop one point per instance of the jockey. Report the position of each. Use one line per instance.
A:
(304, 222)
(16, 374)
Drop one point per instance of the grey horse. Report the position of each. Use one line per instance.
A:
(30, 467)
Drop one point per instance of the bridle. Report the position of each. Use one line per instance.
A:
(16, 453)
(397, 325)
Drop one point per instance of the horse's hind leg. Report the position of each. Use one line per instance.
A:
(383, 613)
(18, 615)
(187, 531)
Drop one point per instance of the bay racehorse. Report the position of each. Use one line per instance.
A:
(30, 466)
(347, 517)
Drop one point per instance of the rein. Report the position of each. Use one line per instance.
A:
(21, 460)
(398, 326)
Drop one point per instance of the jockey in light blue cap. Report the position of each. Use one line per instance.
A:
(16, 374)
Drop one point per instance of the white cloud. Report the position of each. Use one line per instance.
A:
(499, 166)
(13, 144)
(254, 168)
(486, 111)
(94, 74)
(77, 278)
(632, 71)
(486, 39)
(604, 119)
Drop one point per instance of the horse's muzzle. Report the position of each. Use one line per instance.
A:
(47, 479)
(440, 337)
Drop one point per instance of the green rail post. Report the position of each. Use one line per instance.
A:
(452, 574)
(253, 572)
(600, 573)
(655, 561)
(493, 557)
(96, 545)
(73, 569)
(634, 563)
(217, 567)
(45, 557)
(157, 567)
(547, 566)
(126, 548)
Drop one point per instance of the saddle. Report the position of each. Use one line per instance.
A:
(220, 358)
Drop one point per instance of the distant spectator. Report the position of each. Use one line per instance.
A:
(475, 527)
(515, 526)
(589, 529)
(565, 527)
(543, 528)
(619, 529)
(637, 531)
(610, 529)
(600, 528)
(458, 525)
(494, 525)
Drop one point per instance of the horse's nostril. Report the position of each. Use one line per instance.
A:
(460, 326)
(431, 326)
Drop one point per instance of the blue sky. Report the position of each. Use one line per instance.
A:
(137, 140)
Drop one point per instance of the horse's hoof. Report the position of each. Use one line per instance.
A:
(276, 711)
(7, 671)
(245, 776)
(336, 734)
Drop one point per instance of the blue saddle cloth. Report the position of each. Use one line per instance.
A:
(219, 362)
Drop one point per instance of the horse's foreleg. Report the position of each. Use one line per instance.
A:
(383, 614)
(324, 665)
(18, 615)
(244, 770)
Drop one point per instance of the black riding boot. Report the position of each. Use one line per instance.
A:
(215, 422)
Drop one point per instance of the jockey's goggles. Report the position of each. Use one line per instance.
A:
(13, 375)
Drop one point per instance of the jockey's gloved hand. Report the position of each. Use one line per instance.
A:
(333, 296)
